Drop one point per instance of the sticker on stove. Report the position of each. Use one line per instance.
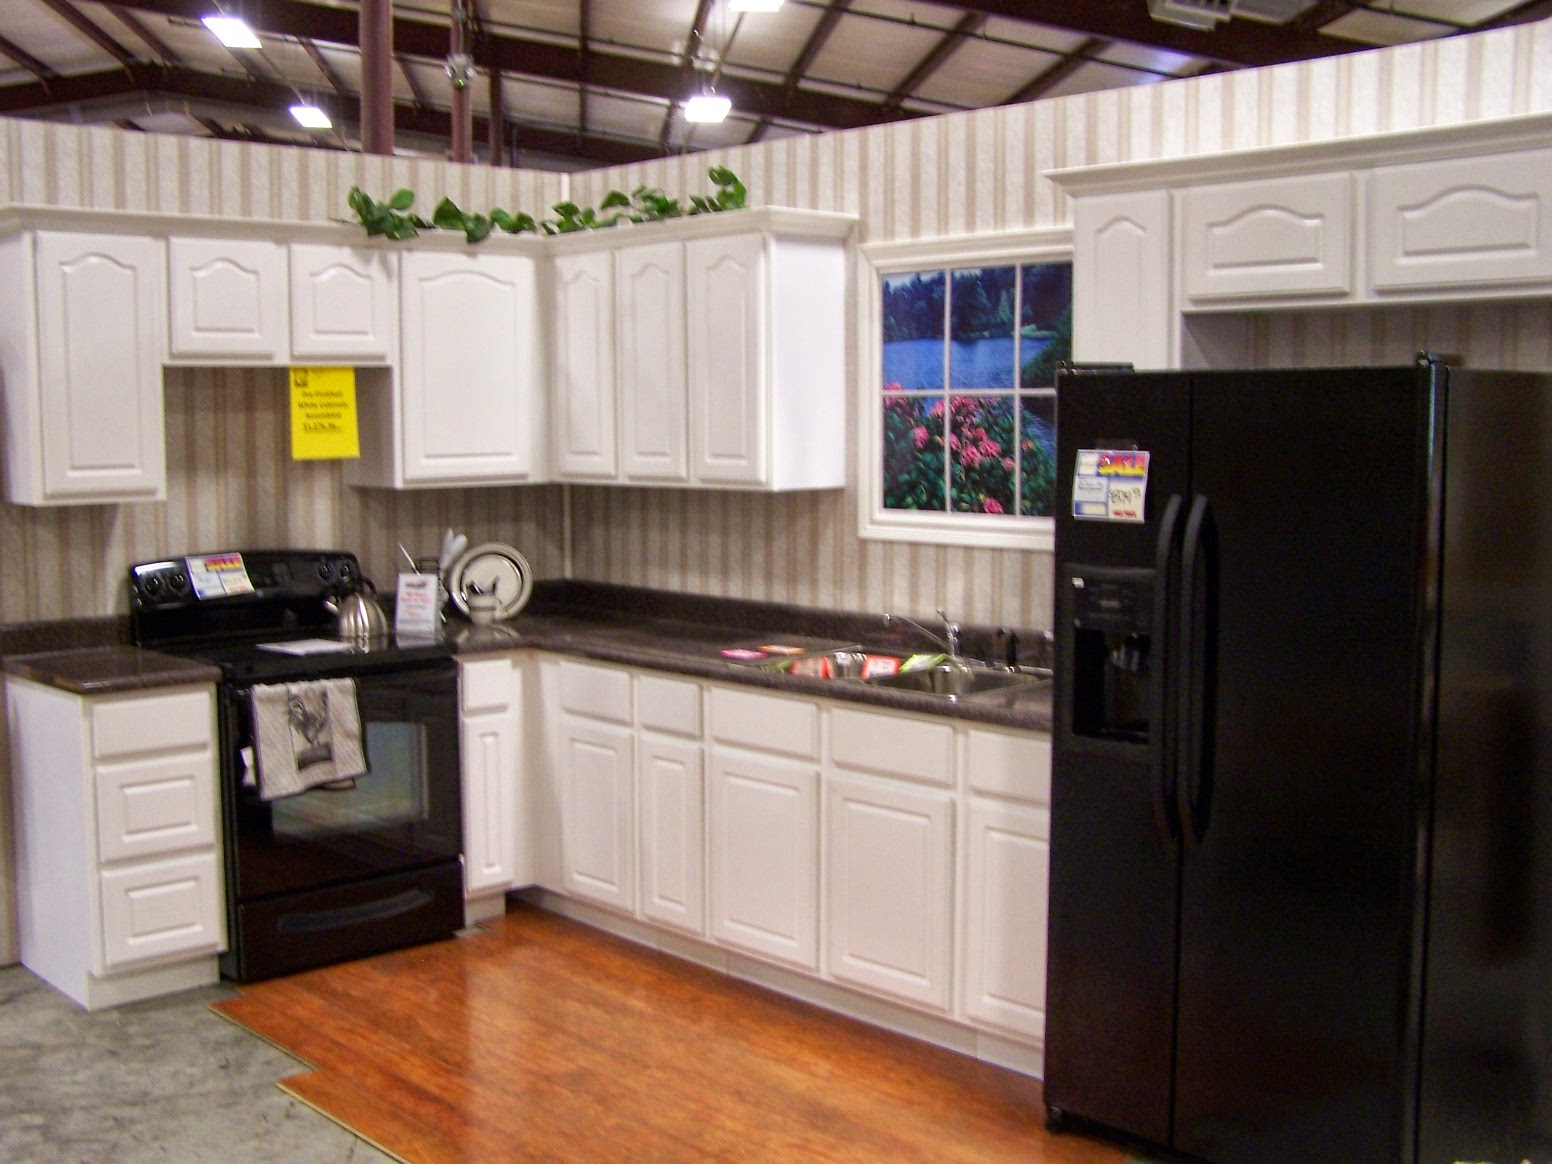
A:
(1110, 484)
(217, 575)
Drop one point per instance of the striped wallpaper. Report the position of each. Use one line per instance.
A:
(230, 482)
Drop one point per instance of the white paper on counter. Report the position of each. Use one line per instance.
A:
(307, 646)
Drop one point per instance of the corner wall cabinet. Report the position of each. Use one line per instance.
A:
(1445, 214)
(118, 840)
(704, 352)
(83, 335)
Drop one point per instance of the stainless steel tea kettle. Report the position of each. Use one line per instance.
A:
(357, 617)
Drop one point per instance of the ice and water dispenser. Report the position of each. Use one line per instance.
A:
(1111, 612)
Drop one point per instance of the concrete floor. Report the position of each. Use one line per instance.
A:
(165, 1080)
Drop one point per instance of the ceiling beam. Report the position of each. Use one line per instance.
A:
(967, 26)
(336, 82)
(811, 48)
(137, 26)
(1057, 73)
(1524, 14)
(72, 16)
(150, 81)
(26, 60)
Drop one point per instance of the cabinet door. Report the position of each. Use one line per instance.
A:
(763, 837)
(1007, 882)
(490, 812)
(671, 795)
(102, 333)
(344, 304)
(654, 417)
(157, 909)
(469, 407)
(228, 300)
(156, 805)
(597, 811)
(1462, 222)
(583, 348)
(1122, 309)
(727, 313)
(889, 862)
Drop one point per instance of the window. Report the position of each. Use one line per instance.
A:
(958, 419)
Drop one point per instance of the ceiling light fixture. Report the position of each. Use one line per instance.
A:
(310, 116)
(754, 5)
(707, 108)
(232, 31)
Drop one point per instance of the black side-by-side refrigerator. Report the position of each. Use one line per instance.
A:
(1301, 831)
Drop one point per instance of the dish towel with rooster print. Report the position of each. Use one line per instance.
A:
(306, 734)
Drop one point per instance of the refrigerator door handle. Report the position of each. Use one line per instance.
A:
(1164, 769)
(1196, 666)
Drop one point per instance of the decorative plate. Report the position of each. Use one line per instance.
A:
(492, 565)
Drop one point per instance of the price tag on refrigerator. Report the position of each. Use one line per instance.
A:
(1110, 484)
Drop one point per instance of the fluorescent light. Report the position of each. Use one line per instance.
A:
(232, 31)
(707, 107)
(753, 5)
(311, 116)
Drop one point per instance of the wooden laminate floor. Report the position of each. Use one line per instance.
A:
(541, 1039)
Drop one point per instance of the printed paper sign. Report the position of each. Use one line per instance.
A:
(415, 609)
(217, 575)
(323, 414)
(1110, 484)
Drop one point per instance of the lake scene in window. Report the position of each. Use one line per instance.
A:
(969, 366)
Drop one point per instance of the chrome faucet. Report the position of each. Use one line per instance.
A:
(948, 640)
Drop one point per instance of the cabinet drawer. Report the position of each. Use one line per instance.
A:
(1009, 764)
(765, 722)
(485, 684)
(156, 806)
(162, 723)
(161, 909)
(892, 745)
(598, 692)
(668, 705)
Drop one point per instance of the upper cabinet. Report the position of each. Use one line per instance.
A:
(227, 301)
(711, 356)
(83, 333)
(466, 407)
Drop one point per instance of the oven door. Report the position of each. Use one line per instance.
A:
(403, 814)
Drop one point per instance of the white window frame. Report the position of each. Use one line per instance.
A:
(989, 531)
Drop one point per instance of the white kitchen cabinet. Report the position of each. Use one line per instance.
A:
(889, 888)
(598, 812)
(467, 406)
(118, 843)
(344, 304)
(763, 849)
(1466, 223)
(1121, 300)
(83, 334)
(490, 698)
(1276, 236)
(1007, 879)
(654, 390)
(670, 784)
(583, 355)
(228, 301)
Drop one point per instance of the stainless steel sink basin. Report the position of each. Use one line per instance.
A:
(948, 681)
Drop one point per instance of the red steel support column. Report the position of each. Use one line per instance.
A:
(498, 121)
(377, 77)
(463, 106)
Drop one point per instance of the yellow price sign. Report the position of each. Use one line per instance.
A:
(324, 423)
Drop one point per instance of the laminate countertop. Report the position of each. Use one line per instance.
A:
(109, 669)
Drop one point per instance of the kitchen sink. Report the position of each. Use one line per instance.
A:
(959, 681)
(844, 663)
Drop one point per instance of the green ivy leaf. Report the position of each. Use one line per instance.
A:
(402, 199)
(447, 216)
(614, 199)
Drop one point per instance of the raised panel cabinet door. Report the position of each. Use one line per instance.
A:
(344, 304)
(888, 888)
(1462, 222)
(597, 775)
(102, 335)
(156, 805)
(727, 338)
(583, 351)
(156, 909)
(671, 794)
(1122, 307)
(228, 300)
(654, 385)
(469, 404)
(490, 814)
(764, 855)
(1274, 236)
(1007, 882)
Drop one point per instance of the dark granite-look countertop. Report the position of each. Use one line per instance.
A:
(686, 634)
(108, 669)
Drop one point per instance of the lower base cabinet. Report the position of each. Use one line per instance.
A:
(1008, 870)
(889, 888)
(764, 855)
(671, 799)
(596, 773)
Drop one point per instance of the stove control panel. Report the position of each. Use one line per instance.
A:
(241, 575)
